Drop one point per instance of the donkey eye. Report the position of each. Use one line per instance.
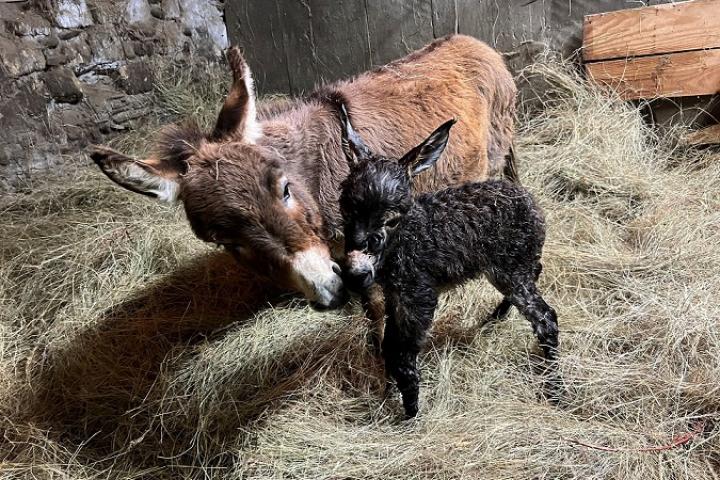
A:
(286, 192)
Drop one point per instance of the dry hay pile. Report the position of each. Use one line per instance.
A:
(131, 350)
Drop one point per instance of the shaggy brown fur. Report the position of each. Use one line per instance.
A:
(265, 182)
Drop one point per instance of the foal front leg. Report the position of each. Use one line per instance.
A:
(410, 314)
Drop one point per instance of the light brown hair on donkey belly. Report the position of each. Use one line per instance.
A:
(265, 182)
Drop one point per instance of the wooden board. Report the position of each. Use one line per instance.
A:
(672, 75)
(665, 28)
(706, 136)
(341, 34)
(398, 27)
(258, 30)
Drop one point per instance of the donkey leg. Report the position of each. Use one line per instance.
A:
(541, 316)
(408, 321)
(373, 304)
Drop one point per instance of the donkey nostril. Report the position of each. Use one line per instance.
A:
(336, 269)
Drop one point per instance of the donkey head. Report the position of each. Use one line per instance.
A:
(238, 193)
(376, 196)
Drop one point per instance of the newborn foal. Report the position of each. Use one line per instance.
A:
(411, 246)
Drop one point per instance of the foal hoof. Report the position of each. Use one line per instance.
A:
(411, 410)
(410, 416)
(554, 389)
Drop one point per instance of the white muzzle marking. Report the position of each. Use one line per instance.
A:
(314, 275)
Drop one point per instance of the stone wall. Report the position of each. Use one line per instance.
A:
(73, 72)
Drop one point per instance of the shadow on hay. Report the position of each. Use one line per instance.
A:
(101, 385)
(132, 381)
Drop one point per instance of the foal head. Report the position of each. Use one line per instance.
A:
(376, 196)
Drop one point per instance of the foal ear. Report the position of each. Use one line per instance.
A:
(149, 177)
(352, 145)
(238, 114)
(428, 152)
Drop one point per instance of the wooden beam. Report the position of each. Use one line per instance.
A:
(706, 136)
(666, 28)
(672, 75)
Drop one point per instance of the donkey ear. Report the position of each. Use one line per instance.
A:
(353, 146)
(238, 114)
(148, 177)
(428, 152)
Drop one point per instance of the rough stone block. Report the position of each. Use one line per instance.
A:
(157, 12)
(26, 97)
(206, 18)
(50, 41)
(54, 58)
(76, 120)
(20, 56)
(73, 14)
(27, 25)
(137, 11)
(136, 77)
(74, 51)
(105, 44)
(171, 8)
(63, 86)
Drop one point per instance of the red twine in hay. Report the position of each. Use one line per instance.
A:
(697, 429)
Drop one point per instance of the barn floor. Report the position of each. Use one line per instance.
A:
(129, 349)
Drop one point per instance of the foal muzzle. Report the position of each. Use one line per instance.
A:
(359, 273)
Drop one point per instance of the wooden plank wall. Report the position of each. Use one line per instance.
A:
(668, 28)
(663, 51)
(292, 45)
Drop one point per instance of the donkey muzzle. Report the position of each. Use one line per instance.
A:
(315, 274)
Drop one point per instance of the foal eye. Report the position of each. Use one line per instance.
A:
(393, 222)
(374, 242)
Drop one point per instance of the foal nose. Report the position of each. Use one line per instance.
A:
(365, 279)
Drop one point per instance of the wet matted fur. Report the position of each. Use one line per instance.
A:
(414, 246)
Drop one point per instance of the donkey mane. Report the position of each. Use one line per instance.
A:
(176, 143)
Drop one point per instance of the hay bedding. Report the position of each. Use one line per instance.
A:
(131, 350)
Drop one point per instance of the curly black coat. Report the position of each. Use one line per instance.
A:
(413, 245)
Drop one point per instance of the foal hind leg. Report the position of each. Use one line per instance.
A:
(501, 310)
(504, 286)
(543, 319)
(541, 316)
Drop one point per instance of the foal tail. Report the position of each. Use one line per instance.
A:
(510, 169)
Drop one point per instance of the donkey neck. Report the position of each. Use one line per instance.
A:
(298, 134)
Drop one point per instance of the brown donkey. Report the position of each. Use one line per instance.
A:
(265, 182)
